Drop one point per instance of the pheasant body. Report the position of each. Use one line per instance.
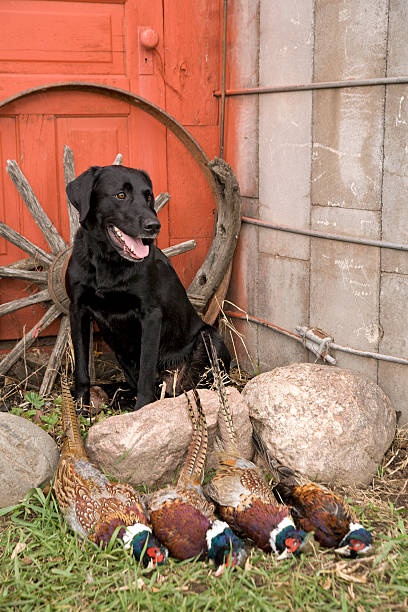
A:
(93, 506)
(317, 509)
(181, 522)
(243, 497)
(181, 516)
(246, 503)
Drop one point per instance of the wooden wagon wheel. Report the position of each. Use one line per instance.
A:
(205, 292)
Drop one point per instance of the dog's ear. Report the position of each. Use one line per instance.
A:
(80, 189)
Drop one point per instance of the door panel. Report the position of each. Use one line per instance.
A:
(62, 37)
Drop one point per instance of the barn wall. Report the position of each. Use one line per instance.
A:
(331, 160)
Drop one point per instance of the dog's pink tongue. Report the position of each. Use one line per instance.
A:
(135, 246)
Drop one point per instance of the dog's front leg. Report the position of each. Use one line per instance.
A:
(149, 354)
(80, 320)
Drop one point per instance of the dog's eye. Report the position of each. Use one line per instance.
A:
(150, 199)
(121, 195)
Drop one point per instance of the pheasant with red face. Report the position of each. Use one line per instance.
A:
(94, 507)
(243, 497)
(181, 516)
(317, 509)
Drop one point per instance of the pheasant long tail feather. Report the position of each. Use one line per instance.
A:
(280, 473)
(189, 467)
(228, 437)
(198, 471)
(72, 444)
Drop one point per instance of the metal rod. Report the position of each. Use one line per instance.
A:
(311, 86)
(333, 345)
(223, 77)
(364, 241)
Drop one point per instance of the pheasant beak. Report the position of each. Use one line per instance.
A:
(344, 551)
(353, 551)
(284, 555)
(220, 570)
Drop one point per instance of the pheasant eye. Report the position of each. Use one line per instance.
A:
(292, 544)
(356, 545)
(121, 195)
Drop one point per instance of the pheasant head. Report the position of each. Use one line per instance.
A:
(357, 542)
(224, 547)
(286, 540)
(145, 547)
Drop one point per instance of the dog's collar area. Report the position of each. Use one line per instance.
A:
(128, 247)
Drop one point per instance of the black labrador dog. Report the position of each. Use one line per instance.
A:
(119, 278)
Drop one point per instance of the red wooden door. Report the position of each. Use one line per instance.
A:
(48, 41)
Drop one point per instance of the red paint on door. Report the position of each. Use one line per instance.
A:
(47, 41)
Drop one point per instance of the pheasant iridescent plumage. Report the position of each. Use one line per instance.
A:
(243, 497)
(315, 508)
(181, 516)
(93, 506)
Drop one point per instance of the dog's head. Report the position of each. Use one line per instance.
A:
(119, 202)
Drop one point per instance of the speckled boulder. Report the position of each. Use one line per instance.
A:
(329, 424)
(28, 458)
(147, 446)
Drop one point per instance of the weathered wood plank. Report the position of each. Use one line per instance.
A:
(118, 160)
(69, 175)
(177, 249)
(22, 243)
(26, 341)
(30, 275)
(41, 296)
(37, 212)
(56, 356)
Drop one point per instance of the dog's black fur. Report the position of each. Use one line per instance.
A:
(136, 298)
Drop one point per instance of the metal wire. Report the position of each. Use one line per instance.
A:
(223, 77)
(331, 345)
(315, 234)
(401, 80)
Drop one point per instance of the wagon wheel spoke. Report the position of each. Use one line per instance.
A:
(160, 201)
(26, 341)
(182, 247)
(41, 296)
(55, 357)
(22, 243)
(69, 175)
(30, 275)
(39, 215)
(27, 263)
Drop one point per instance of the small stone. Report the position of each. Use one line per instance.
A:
(28, 458)
(147, 446)
(330, 424)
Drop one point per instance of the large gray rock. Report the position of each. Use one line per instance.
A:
(147, 446)
(329, 424)
(28, 458)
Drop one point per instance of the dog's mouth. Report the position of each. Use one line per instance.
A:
(128, 247)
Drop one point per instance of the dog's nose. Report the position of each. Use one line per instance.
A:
(151, 226)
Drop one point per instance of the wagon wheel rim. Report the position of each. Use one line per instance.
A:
(202, 292)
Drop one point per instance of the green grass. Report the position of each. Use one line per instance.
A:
(43, 566)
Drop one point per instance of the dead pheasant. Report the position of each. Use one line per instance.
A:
(93, 506)
(181, 516)
(315, 508)
(243, 497)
